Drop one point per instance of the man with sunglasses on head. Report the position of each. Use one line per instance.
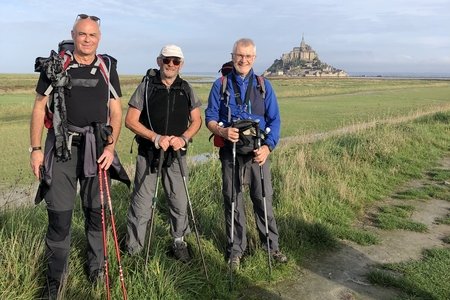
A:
(164, 113)
(70, 158)
(245, 99)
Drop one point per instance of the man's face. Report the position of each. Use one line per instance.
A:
(86, 36)
(170, 66)
(243, 59)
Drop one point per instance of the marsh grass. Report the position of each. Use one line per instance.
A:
(444, 220)
(321, 189)
(307, 106)
(427, 278)
(398, 217)
(424, 192)
(440, 175)
(21, 268)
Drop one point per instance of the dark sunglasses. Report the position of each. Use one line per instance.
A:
(84, 16)
(175, 60)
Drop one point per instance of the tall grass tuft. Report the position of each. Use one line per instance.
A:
(331, 181)
(427, 278)
(321, 189)
(21, 249)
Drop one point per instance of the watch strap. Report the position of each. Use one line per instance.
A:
(31, 149)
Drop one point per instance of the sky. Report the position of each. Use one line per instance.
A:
(370, 36)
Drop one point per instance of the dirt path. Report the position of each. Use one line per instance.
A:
(342, 274)
(15, 196)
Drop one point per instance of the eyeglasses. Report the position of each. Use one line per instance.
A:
(242, 56)
(84, 16)
(175, 60)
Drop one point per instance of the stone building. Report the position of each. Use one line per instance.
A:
(302, 61)
(304, 52)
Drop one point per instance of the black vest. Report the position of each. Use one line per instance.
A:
(166, 111)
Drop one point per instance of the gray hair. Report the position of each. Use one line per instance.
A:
(244, 42)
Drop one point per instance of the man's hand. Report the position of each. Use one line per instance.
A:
(106, 159)
(164, 141)
(36, 161)
(261, 154)
(177, 142)
(230, 133)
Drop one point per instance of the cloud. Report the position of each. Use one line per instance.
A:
(350, 34)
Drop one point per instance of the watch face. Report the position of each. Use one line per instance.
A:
(31, 149)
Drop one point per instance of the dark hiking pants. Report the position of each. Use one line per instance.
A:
(247, 172)
(60, 201)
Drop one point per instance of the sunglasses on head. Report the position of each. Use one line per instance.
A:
(84, 16)
(175, 60)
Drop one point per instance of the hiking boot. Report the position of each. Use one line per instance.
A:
(181, 252)
(96, 276)
(279, 257)
(234, 262)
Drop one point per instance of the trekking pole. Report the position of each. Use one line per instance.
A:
(183, 174)
(154, 200)
(104, 187)
(105, 241)
(263, 191)
(233, 198)
(114, 231)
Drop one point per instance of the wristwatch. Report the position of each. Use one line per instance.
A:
(31, 149)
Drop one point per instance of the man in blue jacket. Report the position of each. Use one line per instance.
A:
(248, 97)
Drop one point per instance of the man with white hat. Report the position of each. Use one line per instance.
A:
(164, 113)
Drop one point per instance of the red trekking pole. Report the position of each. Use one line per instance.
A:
(116, 243)
(104, 233)
(99, 130)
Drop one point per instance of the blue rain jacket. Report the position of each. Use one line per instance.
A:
(265, 110)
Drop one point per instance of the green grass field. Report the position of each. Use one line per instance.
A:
(321, 189)
(307, 106)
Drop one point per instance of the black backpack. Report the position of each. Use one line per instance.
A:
(226, 68)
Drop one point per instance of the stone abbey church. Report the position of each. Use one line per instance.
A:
(302, 61)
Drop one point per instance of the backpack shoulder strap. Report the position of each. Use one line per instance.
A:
(105, 71)
(148, 81)
(149, 87)
(223, 86)
(67, 57)
(100, 64)
(225, 94)
(261, 85)
(186, 88)
(150, 73)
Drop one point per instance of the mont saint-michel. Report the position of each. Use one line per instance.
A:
(302, 61)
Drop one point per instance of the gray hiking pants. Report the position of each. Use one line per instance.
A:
(140, 210)
(247, 172)
(60, 200)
